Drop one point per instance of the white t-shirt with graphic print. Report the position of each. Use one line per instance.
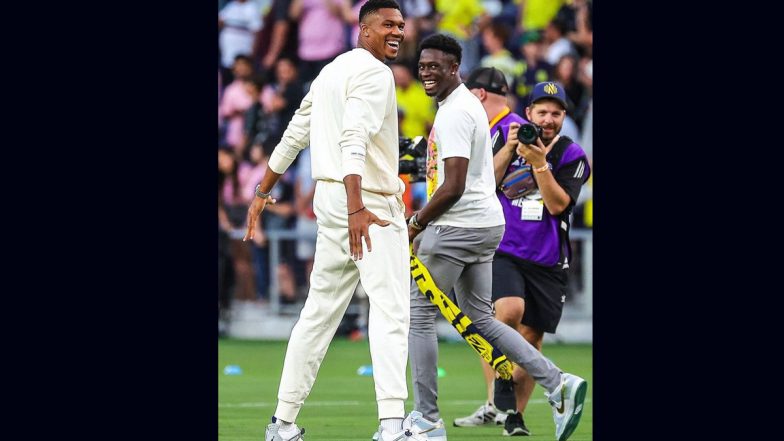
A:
(461, 129)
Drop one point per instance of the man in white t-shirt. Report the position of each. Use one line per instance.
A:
(461, 226)
(239, 21)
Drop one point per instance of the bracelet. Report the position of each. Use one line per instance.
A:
(261, 194)
(414, 223)
(543, 169)
(357, 211)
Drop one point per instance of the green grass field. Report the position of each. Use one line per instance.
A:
(342, 405)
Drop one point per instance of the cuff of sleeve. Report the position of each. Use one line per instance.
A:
(353, 160)
(353, 167)
(278, 163)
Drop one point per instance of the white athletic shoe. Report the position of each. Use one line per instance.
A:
(404, 435)
(416, 427)
(484, 415)
(273, 433)
(567, 402)
(435, 431)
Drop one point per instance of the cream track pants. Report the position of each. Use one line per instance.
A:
(384, 273)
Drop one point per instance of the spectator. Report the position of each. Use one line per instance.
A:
(225, 270)
(461, 19)
(235, 102)
(238, 21)
(494, 38)
(566, 73)
(577, 18)
(536, 14)
(556, 45)
(255, 120)
(231, 217)
(252, 172)
(322, 33)
(278, 38)
(279, 100)
(531, 69)
(282, 216)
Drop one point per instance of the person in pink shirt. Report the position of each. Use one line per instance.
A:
(232, 205)
(235, 102)
(322, 33)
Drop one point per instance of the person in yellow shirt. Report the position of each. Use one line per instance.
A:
(418, 108)
(536, 14)
(461, 19)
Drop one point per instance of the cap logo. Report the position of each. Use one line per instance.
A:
(550, 88)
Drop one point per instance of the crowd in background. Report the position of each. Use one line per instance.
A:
(270, 51)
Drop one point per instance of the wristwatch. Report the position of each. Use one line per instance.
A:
(413, 222)
(261, 194)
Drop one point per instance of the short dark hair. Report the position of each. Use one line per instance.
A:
(444, 43)
(257, 80)
(243, 57)
(374, 5)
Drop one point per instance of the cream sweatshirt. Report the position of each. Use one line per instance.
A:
(349, 119)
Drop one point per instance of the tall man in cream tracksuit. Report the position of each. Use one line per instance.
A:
(461, 226)
(349, 119)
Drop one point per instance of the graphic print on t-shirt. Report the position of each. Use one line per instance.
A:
(432, 164)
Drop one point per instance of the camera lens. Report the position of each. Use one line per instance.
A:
(527, 133)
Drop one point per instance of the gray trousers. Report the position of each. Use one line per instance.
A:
(461, 258)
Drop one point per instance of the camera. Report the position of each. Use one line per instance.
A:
(528, 133)
(413, 157)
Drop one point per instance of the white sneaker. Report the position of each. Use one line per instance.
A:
(484, 415)
(273, 433)
(404, 435)
(567, 402)
(500, 418)
(418, 424)
(418, 427)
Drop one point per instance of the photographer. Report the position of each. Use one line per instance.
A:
(530, 265)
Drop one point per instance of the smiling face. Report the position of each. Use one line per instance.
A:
(438, 73)
(548, 114)
(381, 33)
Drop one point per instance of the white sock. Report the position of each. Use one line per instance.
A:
(392, 425)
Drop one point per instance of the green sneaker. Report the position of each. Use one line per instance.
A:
(567, 402)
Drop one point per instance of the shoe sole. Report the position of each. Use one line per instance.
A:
(454, 424)
(579, 399)
(517, 432)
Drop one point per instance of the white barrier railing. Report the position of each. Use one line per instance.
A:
(580, 307)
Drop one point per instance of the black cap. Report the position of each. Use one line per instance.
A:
(489, 79)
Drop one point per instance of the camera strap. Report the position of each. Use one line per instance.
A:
(520, 181)
(564, 224)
